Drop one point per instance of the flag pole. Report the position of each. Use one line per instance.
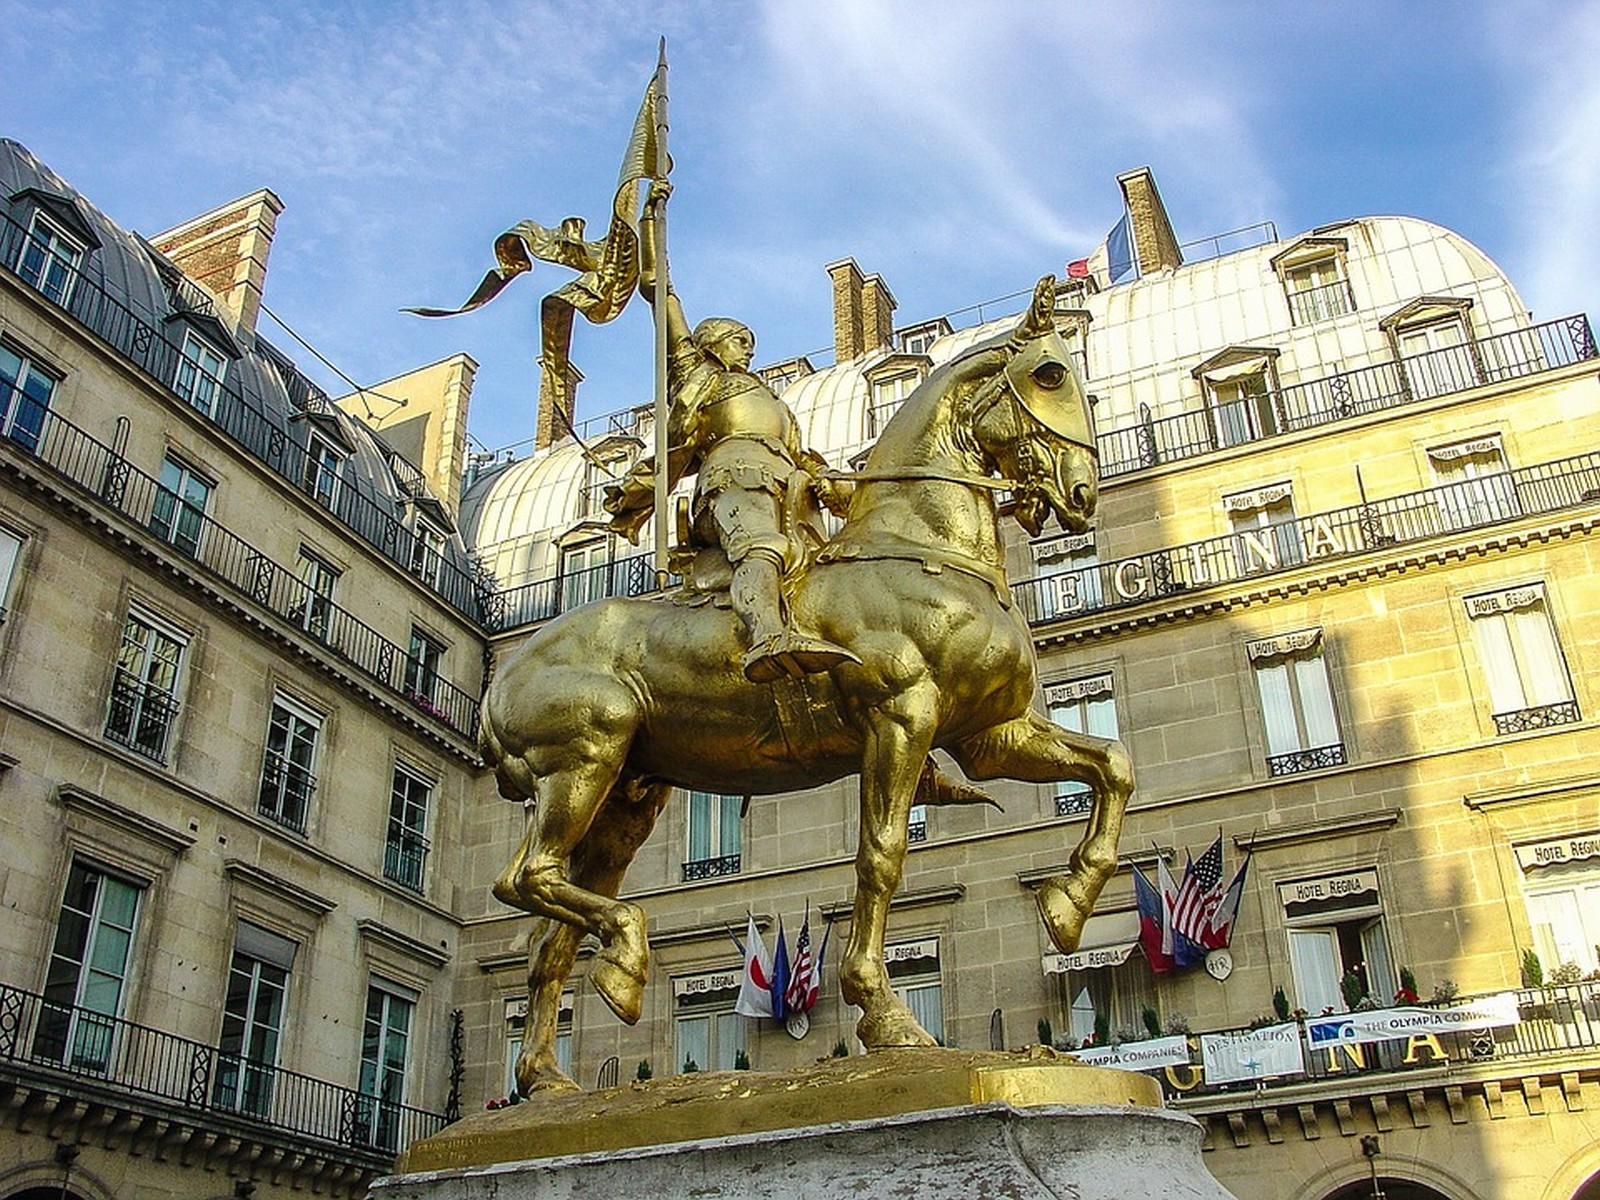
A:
(659, 228)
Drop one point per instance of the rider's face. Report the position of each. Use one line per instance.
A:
(735, 349)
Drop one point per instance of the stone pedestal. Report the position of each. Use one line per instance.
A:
(936, 1125)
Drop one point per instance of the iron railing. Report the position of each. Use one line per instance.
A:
(1321, 303)
(405, 853)
(552, 596)
(95, 468)
(1553, 1020)
(1074, 800)
(711, 868)
(286, 788)
(1154, 440)
(140, 715)
(140, 338)
(82, 1049)
(1543, 716)
(1322, 537)
(1295, 761)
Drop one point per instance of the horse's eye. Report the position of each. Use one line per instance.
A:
(1050, 375)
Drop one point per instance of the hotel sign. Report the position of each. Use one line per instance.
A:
(1329, 887)
(1572, 848)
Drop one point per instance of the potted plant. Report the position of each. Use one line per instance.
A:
(1408, 987)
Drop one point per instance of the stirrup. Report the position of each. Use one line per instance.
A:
(795, 655)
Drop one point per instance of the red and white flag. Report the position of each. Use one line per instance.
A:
(755, 989)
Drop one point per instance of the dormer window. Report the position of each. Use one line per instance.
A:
(201, 370)
(1240, 384)
(323, 464)
(919, 339)
(1432, 338)
(889, 382)
(1315, 280)
(784, 375)
(427, 553)
(49, 258)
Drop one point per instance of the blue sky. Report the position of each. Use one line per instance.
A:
(960, 149)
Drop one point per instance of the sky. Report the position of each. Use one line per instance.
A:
(958, 148)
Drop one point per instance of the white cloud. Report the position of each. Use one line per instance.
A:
(1555, 177)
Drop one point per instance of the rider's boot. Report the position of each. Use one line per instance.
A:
(775, 649)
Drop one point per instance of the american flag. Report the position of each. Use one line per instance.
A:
(1199, 894)
(803, 989)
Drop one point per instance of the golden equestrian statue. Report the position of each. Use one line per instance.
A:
(600, 714)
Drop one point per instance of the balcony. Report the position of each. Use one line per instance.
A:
(1557, 1023)
(1310, 541)
(264, 436)
(141, 715)
(711, 868)
(113, 483)
(1312, 403)
(1296, 761)
(1544, 716)
(154, 1084)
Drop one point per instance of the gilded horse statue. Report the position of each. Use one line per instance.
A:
(600, 714)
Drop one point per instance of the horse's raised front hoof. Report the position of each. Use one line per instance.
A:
(1063, 916)
(891, 1028)
(621, 988)
(541, 1074)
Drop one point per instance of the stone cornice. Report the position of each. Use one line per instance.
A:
(263, 880)
(126, 820)
(401, 943)
(1313, 831)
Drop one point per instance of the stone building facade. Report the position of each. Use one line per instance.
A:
(1338, 602)
(239, 666)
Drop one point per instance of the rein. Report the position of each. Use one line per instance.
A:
(931, 473)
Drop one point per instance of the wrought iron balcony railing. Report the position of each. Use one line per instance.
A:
(83, 1051)
(1544, 488)
(140, 715)
(1555, 1020)
(1543, 716)
(1522, 352)
(405, 854)
(1315, 759)
(115, 483)
(265, 436)
(286, 788)
(711, 868)
(1321, 303)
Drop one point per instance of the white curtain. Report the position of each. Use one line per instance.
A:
(1381, 983)
(699, 828)
(926, 1005)
(1499, 663)
(1314, 957)
(1277, 707)
(694, 1042)
(1316, 701)
(728, 826)
(1544, 674)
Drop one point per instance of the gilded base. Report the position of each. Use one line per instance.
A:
(886, 1083)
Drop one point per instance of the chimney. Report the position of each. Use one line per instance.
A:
(226, 251)
(849, 334)
(877, 313)
(1153, 241)
(430, 429)
(555, 396)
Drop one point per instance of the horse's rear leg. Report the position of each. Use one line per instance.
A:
(599, 862)
(1033, 749)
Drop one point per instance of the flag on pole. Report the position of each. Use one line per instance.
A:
(1151, 923)
(1169, 894)
(1219, 929)
(1078, 268)
(755, 988)
(796, 997)
(1119, 251)
(608, 269)
(1199, 894)
(780, 977)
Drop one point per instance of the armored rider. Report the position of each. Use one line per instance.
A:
(725, 423)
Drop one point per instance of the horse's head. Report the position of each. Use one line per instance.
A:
(1034, 423)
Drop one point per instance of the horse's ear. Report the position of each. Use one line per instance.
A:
(1040, 317)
